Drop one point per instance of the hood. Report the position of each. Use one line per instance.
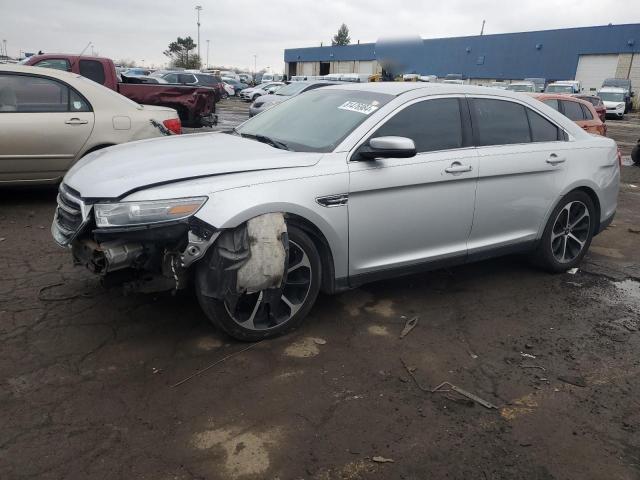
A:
(272, 99)
(116, 171)
(612, 104)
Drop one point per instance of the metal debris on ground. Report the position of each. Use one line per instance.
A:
(527, 355)
(379, 459)
(573, 380)
(574, 284)
(218, 362)
(408, 326)
(572, 271)
(534, 366)
(440, 389)
(319, 341)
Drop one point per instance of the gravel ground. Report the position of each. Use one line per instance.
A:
(87, 375)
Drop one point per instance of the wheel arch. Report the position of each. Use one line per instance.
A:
(322, 245)
(97, 147)
(331, 244)
(590, 190)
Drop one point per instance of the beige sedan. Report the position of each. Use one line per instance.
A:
(49, 119)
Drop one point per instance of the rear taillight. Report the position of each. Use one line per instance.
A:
(173, 125)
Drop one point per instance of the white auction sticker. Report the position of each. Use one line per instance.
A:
(364, 108)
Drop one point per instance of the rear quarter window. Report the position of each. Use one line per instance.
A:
(93, 70)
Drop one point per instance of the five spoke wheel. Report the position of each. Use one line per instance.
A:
(256, 311)
(571, 230)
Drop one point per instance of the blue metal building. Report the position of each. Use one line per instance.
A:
(552, 54)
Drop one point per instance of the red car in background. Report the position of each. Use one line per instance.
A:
(596, 101)
(580, 111)
(195, 105)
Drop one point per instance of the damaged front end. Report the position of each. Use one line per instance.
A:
(113, 241)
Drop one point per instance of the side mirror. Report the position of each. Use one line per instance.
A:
(387, 147)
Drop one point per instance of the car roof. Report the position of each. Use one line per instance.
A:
(399, 88)
(612, 90)
(50, 72)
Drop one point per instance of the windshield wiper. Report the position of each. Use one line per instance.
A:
(268, 140)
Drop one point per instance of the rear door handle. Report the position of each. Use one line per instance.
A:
(457, 167)
(555, 159)
(76, 121)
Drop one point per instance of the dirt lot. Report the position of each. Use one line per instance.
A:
(87, 375)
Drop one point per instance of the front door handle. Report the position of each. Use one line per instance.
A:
(555, 159)
(457, 167)
(76, 121)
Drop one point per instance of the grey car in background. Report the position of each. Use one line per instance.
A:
(335, 188)
(264, 102)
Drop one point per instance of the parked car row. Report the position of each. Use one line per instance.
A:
(195, 104)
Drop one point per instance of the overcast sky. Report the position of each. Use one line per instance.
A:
(141, 29)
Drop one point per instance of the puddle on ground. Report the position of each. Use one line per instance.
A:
(630, 289)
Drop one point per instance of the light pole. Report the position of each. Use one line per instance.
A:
(198, 10)
(255, 69)
(207, 54)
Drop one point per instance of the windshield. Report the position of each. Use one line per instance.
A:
(292, 89)
(560, 89)
(521, 88)
(611, 97)
(316, 121)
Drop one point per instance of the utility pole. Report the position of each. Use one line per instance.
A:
(198, 10)
(6, 54)
(482, 29)
(255, 69)
(207, 53)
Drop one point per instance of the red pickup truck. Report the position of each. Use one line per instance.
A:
(195, 105)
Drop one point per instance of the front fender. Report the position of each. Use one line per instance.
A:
(229, 208)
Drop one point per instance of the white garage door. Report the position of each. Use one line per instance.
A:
(366, 67)
(593, 69)
(307, 68)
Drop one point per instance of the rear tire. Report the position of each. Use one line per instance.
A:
(251, 320)
(568, 233)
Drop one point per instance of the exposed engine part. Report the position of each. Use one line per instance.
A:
(121, 256)
(108, 256)
(249, 258)
(268, 254)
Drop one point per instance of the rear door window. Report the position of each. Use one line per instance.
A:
(499, 122)
(432, 125)
(553, 103)
(572, 110)
(586, 112)
(542, 130)
(93, 70)
(171, 78)
(186, 78)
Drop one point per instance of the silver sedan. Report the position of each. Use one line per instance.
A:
(337, 187)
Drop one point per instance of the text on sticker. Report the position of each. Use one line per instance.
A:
(363, 108)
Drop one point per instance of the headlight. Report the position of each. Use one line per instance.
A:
(619, 106)
(141, 213)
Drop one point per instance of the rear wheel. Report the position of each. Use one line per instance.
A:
(568, 233)
(256, 316)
